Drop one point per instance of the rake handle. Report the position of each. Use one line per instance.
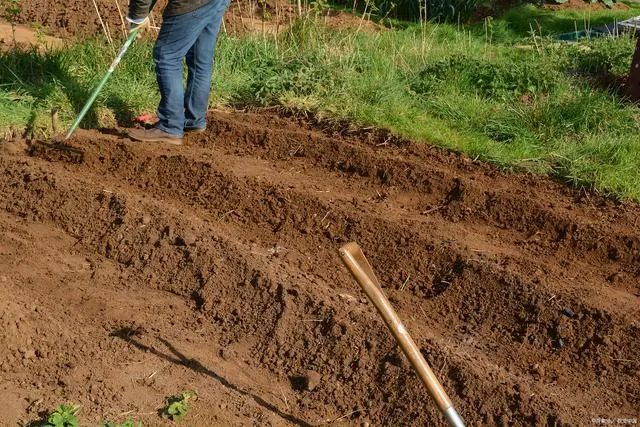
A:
(96, 91)
(362, 272)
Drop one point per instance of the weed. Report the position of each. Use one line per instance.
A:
(606, 55)
(40, 33)
(318, 7)
(450, 9)
(297, 76)
(128, 423)
(490, 77)
(178, 406)
(64, 416)
(11, 11)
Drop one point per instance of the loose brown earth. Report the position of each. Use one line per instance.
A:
(25, 36)
(584, 5)
(72, 18)
(132, 272)
(66, 18)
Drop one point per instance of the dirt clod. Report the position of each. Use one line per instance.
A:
(27, 353)
(312, 380)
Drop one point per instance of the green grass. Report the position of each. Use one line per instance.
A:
(15, 108)
(475, 90)
(519, 21)
(39, 81)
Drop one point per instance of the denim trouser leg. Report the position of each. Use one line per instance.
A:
(200, 68)
(192, 35)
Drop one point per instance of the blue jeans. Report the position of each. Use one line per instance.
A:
(191, 36)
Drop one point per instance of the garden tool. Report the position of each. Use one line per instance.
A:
(354, 259)
(132, 36)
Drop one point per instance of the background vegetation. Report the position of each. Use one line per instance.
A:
(500, 90)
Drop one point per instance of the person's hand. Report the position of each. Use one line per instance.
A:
(141, 25)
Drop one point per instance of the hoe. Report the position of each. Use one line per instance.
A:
(354, 259)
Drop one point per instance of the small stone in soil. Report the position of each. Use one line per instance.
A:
(567, 312)
(312, 380)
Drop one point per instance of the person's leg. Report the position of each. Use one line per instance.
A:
(177, 35)
(199, 61)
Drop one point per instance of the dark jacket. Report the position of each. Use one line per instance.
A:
(139, 9)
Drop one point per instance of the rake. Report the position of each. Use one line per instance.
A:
(96, 91)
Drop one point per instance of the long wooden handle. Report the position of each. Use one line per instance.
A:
(354, 259)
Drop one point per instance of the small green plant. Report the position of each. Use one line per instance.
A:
(178, 406)
(606, 55)
(11, 10)
(128, 423)
(318, 7)
(64, 416)
(40, 33)
(299, 77)
(490, 78)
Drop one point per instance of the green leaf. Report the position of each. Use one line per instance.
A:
(56, 419)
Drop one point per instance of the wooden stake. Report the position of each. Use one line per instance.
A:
(104, 28)
(264, 8)
(275, 38)
(153, 22)
(633, 84)
(109, 32)
(55, 120)
(251, 13)
(239, 3)
(124, 27)
(364, 13)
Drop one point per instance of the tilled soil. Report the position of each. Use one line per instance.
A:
(65, 18)
(68, 18)
(24, 36)
(132, 272)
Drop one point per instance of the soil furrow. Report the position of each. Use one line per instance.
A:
(266, 328)
(555, 220)
(527, 310)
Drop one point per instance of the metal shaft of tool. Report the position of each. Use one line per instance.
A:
(106, 77)
(361, 270)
